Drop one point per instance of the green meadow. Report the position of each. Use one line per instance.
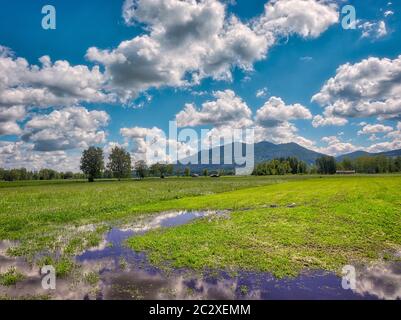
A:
(279, 224)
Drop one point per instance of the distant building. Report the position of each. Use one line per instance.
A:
(345, 172)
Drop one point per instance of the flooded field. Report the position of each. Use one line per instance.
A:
(113, 271)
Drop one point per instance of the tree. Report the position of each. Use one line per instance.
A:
(293, 162)
(302, 167)
(92, 163)
(273, 167)
(119, 163)
(346, 164)
(326, 165)
(163, 170)
(205, 172)
(154, 169)
(170, 169)
(141, 169)
(187, 171)
(68, 175)
(397, 164)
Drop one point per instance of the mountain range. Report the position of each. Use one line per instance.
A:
(358, 154)
(265, 151)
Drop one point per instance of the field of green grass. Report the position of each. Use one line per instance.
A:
(313, 224)
(31, 206)
(335, 220)
(44, 216)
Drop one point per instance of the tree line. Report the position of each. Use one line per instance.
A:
(120, 166)
(372, 164)
(43, 174)
(92, 165)
(281, 166)
(329, 165)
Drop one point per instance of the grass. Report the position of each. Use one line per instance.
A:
(10, 277)
(37, 206)
(335, 222)
(92, 278)
(44, 215)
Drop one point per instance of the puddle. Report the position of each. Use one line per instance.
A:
(126, 274)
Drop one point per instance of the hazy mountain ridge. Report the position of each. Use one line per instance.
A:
(265, 151)
(360, 153)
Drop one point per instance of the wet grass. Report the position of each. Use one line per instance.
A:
(32, 206)
(45, 216)
(10, 277)
(92, 278)
(334, 222)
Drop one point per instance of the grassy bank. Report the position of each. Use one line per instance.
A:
(335, 221)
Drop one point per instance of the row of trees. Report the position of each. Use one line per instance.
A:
(43, 174)
(93, 167)
(119, 165)
(329, 165)
(281, 166)
(369, 164)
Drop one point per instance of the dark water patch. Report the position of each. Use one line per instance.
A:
(138, 279)
(127, 274)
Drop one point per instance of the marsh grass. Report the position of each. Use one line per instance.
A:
(50, 218)
(331, 221)
(335, 222)
(11, 277)
(92, 278)
(33, 207)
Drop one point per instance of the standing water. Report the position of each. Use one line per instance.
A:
(127, 274)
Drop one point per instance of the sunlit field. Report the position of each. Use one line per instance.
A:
(29, 206)
(280, 225)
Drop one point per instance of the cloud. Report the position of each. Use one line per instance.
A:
(151, 145)
(284, 132)
(8, 119)
(385, 146)
(138, 136)
(307, 18)
(375, 128)
(373, 29)
(322, 121)
(306, 58)
(388, 13)
(187, 41)
(370, 88)
(275, 112)
(23, 155)
(227, 109)
(228, 112)
(50, 84)
(261, 93)
(394, 142)
(336, 147)
(65, 129)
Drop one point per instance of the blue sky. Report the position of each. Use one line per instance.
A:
(293, 68)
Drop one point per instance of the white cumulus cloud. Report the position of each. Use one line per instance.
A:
(65, 129)
(227, 109)
(370, 88)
